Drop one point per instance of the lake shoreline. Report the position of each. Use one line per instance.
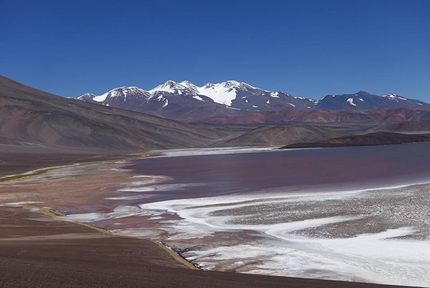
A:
(93, 169)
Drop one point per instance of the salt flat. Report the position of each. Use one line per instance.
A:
(379, 236)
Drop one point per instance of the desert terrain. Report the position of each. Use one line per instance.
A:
(70, 171)
(40, 250)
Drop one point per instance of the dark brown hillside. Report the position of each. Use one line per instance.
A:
(412, 127)
(282, 135)
(378, 138)
(327, 116)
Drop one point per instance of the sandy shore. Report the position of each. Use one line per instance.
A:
(39, 251)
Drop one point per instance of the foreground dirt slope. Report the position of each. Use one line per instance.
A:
(36, 251)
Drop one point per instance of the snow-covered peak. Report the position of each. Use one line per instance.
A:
(87, 95)
(223, 93)
(126, 90)
(238, 85)
(208, 85)
(189, 85)
(231, 83)
(169, 86)
(175, 87)
(117, 92)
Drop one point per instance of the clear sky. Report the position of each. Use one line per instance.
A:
(303, 47)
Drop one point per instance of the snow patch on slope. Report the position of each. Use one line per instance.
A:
(274, 94)
(394, 97)
(351, 102)
(223, 93)
(101, 98)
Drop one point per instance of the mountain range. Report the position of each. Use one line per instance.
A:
(33, 118)
(187, 102)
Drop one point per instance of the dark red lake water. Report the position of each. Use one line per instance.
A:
(287, 171)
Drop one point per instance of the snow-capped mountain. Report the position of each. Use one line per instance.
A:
(235, 95)
(242, 96)
(122, 97)
(366, 101)
(180, 88)
(186, 101)
(225, 92)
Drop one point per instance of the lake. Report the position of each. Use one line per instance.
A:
(354, 213)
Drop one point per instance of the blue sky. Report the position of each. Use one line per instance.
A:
(306, 48)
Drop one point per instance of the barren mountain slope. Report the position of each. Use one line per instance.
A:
(327, 116)
(370, 139)
(284, 135)
(29, 116)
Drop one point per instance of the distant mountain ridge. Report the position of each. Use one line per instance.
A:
(188, 102)
(365, 101)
